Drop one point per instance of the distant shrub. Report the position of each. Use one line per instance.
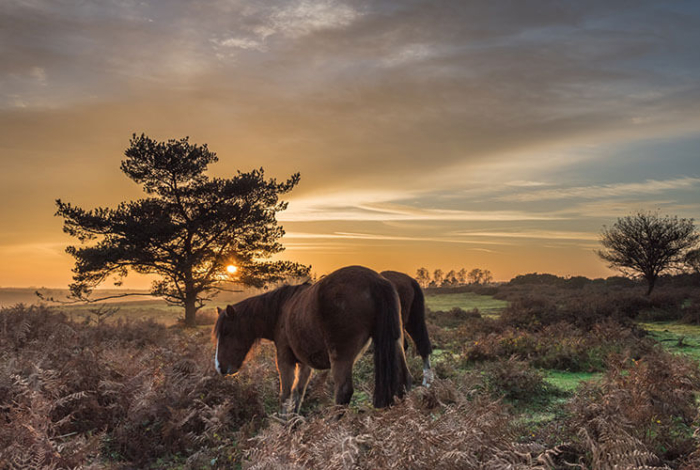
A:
(486, 290)
(561, 346)
(691, 312)
(586, 309)
(531, 312)
(460, 313)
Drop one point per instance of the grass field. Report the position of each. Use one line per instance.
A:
(131, 308)
(676, 337)
(144, 308)
(486, 304)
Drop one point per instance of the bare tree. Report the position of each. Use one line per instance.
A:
(692, 260)
(438, 277)
(423, 277)
(479, 276)
(450, 279)
(647, 244)
(462, 276)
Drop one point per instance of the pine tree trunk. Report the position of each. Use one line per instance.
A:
(190, 300)
(190, 312)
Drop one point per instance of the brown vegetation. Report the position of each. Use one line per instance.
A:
(140, 395)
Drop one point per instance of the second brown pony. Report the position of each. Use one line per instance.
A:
(326, 325)
(413, 317)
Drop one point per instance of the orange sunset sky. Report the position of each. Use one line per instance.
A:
(443, 134)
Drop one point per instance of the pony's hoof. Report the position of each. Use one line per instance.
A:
(428, 377)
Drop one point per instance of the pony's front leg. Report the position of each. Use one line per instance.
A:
(285, 368)
(342, 378)
(299, 388)
(428, 375)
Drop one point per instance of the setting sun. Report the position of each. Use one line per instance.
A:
(231, 269)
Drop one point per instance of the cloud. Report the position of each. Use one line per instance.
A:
(606, 191)
(533, 234)
(463, 116)
(609, 209)
(374, 206)
(240, 43)
(348, 236)
(44, 249)
(526, 184)
(298, 18)
(39, 74)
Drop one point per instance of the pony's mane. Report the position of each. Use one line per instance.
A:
(267, 301)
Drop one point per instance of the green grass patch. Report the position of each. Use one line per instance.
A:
(677, 338)
(486, 304)
(569, 381)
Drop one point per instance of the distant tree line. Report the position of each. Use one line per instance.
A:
(453, 278)
(681, 279)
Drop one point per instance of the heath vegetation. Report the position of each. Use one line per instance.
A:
(125, 394)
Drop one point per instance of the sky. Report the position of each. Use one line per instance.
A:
(438, 134)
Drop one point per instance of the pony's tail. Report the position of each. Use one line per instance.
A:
(391, 376)
(415, 325)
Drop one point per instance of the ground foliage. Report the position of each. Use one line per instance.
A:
(140, 395)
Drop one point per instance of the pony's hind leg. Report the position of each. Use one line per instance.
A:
(342, 379)
(405, 374)
(299, 388)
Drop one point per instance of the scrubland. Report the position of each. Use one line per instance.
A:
(558, 378)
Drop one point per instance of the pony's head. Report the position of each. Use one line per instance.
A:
(233, 341)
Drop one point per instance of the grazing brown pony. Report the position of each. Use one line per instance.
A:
(326, 325)
(413, 316)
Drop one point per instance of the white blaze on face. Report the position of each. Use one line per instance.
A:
(216, 357)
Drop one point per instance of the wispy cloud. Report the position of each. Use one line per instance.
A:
(605, 191)
(383, 237)
(240, 43)
(609, 209)
(361, 207)
(534, 234)
(526, 184)
(299, 18)
(52, 249)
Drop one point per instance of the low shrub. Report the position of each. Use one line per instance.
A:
(651, 400)
(691, 310)
(432, 428)
(515, 381)
(133, 392)
(560, 346)
(587, 308)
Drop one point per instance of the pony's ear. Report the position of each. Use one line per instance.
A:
(230, 311)
(219, 311)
